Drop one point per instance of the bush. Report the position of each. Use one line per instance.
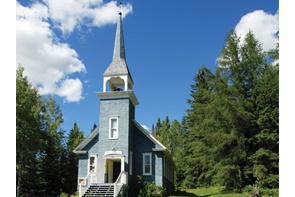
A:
(262, 192)
(270, 192)
(151, 190)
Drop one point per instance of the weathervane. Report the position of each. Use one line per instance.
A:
(120, 9)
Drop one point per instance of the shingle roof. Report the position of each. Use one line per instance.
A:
(79, 148)
(118, 65)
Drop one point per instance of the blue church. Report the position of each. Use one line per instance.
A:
(119, 150)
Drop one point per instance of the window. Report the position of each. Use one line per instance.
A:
(113, 128)
(147, 163)
(92, 163)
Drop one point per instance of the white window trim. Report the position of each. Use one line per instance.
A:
(110, 127)
(143, 163)
(94, 163)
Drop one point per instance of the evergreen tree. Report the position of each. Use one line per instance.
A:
(232, 123)
(71, 165)
(265, 159)
(198, 147)
(28, 123)
(50, 158)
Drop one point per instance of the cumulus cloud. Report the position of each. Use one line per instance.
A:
(265, 26)
(146, 128)
(49, 63)
(83, 12)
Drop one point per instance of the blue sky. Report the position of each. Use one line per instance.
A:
(65, 46)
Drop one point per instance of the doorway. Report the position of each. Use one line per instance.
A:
(113, 170)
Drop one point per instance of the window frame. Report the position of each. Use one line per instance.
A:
(94, 164)
(144, 164)
(111, 131)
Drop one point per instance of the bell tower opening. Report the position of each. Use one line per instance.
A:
(117, 83)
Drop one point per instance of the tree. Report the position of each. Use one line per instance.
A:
(71, 165)
(265, 159)
(52, 150)
(28, 123)
(232, 124)
(199, 121)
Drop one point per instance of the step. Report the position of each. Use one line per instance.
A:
(97, 190)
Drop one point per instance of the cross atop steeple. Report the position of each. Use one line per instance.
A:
(117, 75)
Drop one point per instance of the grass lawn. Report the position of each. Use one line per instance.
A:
(211, 191)
(202, 192)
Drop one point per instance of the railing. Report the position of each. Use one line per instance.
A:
(91, 179)
(122, 179)
(87, 182)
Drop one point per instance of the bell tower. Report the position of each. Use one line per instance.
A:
(117, 76)
(117, 108)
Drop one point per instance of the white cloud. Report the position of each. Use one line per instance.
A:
(146, 128)
(49, 63)
(70, 14)
(263, 25)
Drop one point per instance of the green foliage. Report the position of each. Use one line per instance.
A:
(151, 190)
(45, 164)
(52, 150)
(270, 192)
(230, 134)
(71, 164)
(28, 135)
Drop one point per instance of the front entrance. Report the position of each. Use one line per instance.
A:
(112, 170)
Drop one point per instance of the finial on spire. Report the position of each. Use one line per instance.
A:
(120, 9)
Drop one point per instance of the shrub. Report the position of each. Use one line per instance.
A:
(151, 190)
(270, 192)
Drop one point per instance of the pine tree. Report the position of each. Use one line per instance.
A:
(71, 165)
(50, 166)
(28, 123)
(229, 129)
(265, 159)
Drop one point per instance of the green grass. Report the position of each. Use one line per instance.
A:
(65, 195)
(211, 191)
(201, 192)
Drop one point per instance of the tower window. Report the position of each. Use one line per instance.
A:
(113, 128)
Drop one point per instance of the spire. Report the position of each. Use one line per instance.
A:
(119, 49)
(117, 74)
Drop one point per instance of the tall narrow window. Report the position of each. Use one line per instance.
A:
(113, 128)
(147, 163)
(92, 163)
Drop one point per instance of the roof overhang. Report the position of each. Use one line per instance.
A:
(118, 95)
(81, 146)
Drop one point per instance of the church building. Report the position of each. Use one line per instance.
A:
(119, 150)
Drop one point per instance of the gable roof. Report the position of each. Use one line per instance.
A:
(79, 148)
(159, 145)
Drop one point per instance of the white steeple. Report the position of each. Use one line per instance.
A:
(117, 75)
